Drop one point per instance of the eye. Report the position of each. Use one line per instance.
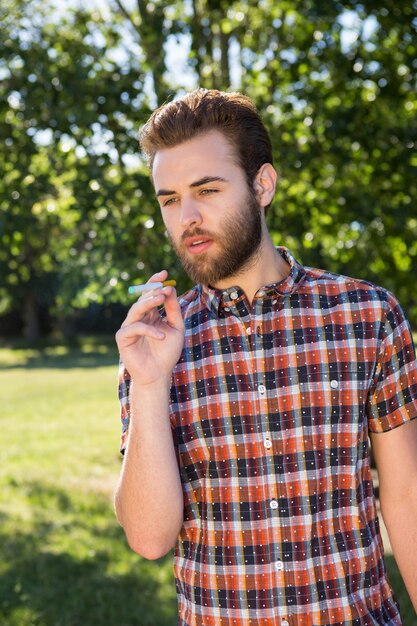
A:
(206, 192)
(169, 201)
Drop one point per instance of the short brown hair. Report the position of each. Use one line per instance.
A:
(200, 111)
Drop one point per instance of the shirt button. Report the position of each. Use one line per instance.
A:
(234, 295)
(285, 622)
(268, 443)
(248, 330)
(262, 389)
(334, 384)
(274, 505)
(279, 565)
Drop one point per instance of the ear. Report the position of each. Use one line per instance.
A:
(265, 183)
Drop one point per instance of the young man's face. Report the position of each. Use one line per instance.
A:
(212, 218)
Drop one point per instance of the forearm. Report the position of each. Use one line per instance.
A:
(400, 516)
(149, 497)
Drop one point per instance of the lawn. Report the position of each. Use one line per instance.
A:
(63, 557)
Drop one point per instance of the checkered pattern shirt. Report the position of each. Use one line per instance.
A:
(271, 406)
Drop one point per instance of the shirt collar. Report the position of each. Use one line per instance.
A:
(213, 298)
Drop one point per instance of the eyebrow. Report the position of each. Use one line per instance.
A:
(198, 183)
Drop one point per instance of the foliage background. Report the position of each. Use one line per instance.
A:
(336, 84)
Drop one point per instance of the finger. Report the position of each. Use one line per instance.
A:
(159, 277)
(143, 306)
(127, 334)
(173, 309)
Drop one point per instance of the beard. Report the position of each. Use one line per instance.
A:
(239, 241)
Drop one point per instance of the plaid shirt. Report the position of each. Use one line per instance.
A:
(271, 406)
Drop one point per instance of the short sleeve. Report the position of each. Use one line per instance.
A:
(393, 397)
(124, 391)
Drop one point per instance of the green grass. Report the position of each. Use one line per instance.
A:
(63, 558)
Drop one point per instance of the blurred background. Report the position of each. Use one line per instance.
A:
(335, 82)
(336, 85)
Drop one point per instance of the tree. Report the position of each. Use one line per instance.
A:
(335, 82)
(68, 115)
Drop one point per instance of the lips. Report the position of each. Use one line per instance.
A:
(197, 244)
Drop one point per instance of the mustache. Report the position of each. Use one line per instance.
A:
(196, 232)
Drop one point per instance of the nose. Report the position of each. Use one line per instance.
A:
(190, 214)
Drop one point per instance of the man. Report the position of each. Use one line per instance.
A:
(248, 402)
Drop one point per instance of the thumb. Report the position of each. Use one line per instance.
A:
(173, 310)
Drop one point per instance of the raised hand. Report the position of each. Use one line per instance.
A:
(149, 344)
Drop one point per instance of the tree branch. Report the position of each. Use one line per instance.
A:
(127, 15)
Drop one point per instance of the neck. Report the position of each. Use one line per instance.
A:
(265, 268)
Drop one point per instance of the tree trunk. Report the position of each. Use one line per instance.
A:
(224, 64)
(31, 328)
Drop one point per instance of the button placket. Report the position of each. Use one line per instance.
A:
(258, 328)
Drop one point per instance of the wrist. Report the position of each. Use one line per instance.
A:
(153, 396)
(149, 404)
(159, 385)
